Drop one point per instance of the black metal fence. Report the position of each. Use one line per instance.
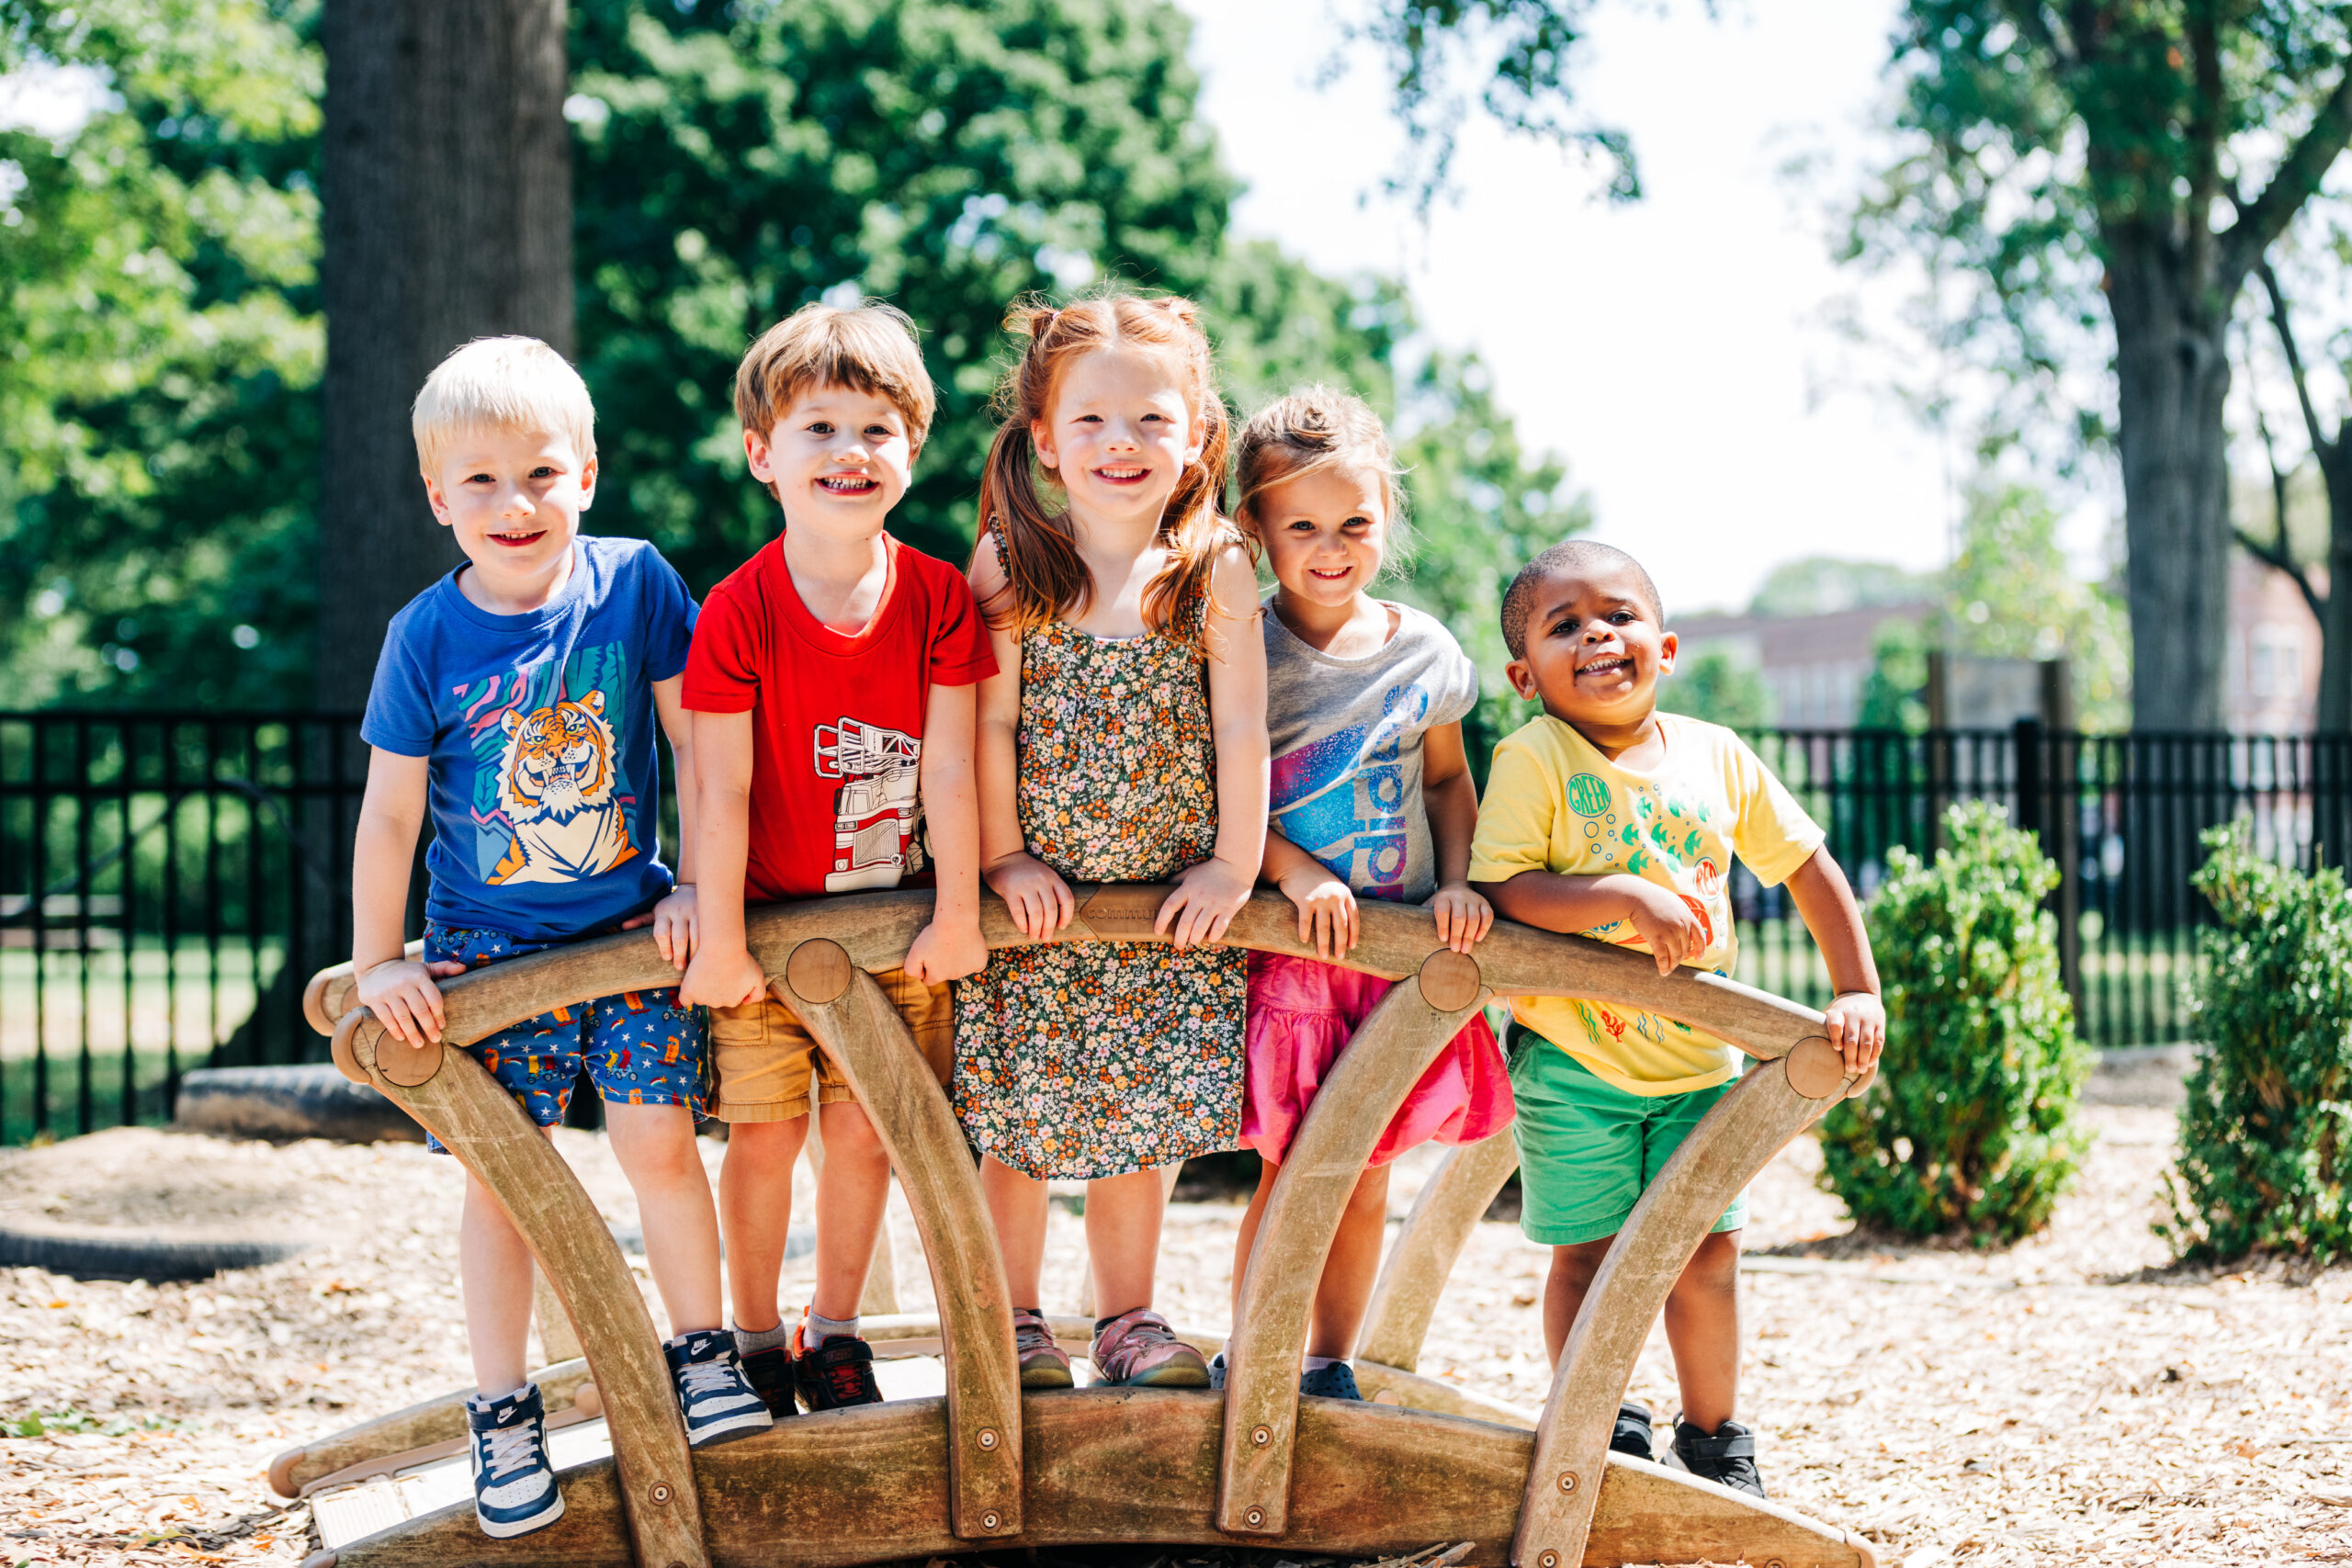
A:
(2119, 814)
(169, 880)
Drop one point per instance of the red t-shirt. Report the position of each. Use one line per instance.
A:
(836, 720)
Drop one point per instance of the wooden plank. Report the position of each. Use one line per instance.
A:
(874, 930)
(491, 1136)
(1394, 1385)
(869, 1043)
(1343, 1126)
(1722, 1154)
(395, 1441)
(1421, 1258)
(868, 1485)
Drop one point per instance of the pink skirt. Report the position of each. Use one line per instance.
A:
(1303, 1012)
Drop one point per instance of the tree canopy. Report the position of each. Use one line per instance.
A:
(732, 160)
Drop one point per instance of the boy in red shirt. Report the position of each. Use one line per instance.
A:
(832, 680)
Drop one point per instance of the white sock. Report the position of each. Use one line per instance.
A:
(747, 1342)
(1317, 1363)
(823, 1329)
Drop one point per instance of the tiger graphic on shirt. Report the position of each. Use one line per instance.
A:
(554, 788)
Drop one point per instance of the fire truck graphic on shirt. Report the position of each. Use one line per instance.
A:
(876, 814)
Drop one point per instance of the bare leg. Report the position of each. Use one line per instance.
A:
(494, 1272)
(851, 1193)
(1703, 1325)
(755, 1213)
(1245, 1236)
(1571, 1271)
(1348, 1273)
(655, 1147)
(1017, 1206)
(1123, 1215)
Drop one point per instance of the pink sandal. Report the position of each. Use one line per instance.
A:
(1137, 1350)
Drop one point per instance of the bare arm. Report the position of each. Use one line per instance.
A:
(1450, 797)
(1857, 1018)
(1554, 902)
(1040, 900)
(1326, 904)
(674, 919)
(1208, 896)
(951, 947)
(399, 989)
(723, 972)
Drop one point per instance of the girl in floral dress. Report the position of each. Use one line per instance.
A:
(1123, 739)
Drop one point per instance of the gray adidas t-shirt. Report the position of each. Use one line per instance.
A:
(1346, 739)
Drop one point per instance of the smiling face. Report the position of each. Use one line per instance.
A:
(1118, 434)
(838, 459)
(1325, 533)
(1594, 649)
(513, 498)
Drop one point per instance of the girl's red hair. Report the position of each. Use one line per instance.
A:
(1045, 578)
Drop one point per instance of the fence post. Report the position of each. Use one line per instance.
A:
(2046, 807)
(2062, 821)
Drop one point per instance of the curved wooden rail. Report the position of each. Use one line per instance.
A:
(1387, 1056)
(1098, 1464)
(455, 1096)
(1421, 1258)
(848, 1013)
(1721, 1154)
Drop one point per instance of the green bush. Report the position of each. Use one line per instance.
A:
(1969, 1130)
(2262, 1136)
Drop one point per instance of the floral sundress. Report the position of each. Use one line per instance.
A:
(1087, 1059)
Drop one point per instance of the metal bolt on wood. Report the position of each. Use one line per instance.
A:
(1257, 1517)
(988, 1443)
(1549, 1560)
(1262, 1435)
(661, 1493)
(990, 1520)
(1567, 1481)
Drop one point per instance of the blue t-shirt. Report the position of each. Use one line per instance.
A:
(540, 730)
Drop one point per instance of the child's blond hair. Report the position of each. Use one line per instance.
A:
(869, 348)
(502, 383)
(1315, 429)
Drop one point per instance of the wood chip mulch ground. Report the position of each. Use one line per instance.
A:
(2073, 1400)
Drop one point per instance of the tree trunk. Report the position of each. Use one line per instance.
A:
(2173, 375)
(447, 190)
(2336, 626)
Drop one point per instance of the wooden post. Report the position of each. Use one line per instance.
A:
(1732, 1142)
(1422, 1257)
(1384, 1061)
(849, 1014)
(880, 1293)
(455, 1098)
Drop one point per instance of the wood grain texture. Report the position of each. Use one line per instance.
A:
(1419, 1262)
(881, 1293)
(465, 1108)
(874, 930)
(1731, 1144)
(1411, 1390)
(869, 1043)
(1370, 1080)
(1101, 1466)
(387, 1441)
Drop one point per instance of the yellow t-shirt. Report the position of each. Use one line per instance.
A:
(1555, 803)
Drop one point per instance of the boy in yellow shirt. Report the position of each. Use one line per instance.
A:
(1607, 818)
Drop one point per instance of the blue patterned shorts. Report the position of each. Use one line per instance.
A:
(638, 1048)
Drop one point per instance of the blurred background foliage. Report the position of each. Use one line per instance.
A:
(159, 398)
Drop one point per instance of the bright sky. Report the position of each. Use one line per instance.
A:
(1676, 352)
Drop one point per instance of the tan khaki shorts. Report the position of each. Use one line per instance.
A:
(767, 1060)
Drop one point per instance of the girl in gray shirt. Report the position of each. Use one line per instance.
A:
(1372, 798)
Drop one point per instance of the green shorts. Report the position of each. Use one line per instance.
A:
(1588, 1149)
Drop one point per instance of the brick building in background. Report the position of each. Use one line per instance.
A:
(1814, 665)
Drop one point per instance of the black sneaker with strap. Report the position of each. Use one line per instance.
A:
(769, 1373)
(1727, 1457)
(836, 1375)
(1633, 1433)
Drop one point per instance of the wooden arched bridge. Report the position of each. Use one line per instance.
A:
(989, 1467)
